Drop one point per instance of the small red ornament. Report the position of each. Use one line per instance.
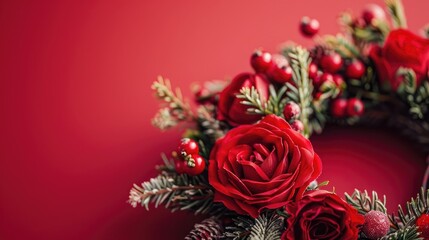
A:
(376, 225)
(195, 165)
(309, 26)
(355, 69)
(280, 75)
(291, 110)
(371, 12)
(297, 125)
(423, 224)
(261, 61)
(339, 107)
(312, 70)
(188, 146)
(331, 63)
(355, 107)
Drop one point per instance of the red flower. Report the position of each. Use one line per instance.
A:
(322, 215)
(262, 166)
(401, 49)
(229, 107)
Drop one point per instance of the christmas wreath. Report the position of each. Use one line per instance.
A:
(245, 160)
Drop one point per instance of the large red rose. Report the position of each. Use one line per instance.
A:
(321, 215)
(229, 107)
(401, 49)
(260, 166)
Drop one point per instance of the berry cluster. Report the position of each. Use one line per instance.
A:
(291, 112)
(275, 67)
(187, 159)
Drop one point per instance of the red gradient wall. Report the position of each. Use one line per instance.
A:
(76, 107)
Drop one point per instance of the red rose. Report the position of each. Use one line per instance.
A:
(401, 49)
(262, 166)
(229, 107)
(321, 215)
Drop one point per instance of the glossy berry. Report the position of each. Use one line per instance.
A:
(309, 26)
(355, 69)
(339, 82)
(195, 165)
(326, 77)
(423, 224)
(188, 146)
(355, 107)
(297, 126)
(312, 70)
(180, 166)
(371, 12)
(339, 107)
(331, 63)
(261, 61)
(291, 111)
(376, 225)
(280, 75)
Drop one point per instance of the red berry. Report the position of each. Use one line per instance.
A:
(318, 96)
(423, 224)
(312, 70)
(291, 110)
(196, 165)
(180, 166)
(331, 63)
(355, 107)
(355, 69)
(280, 60)
(339, 82)
(188, 146)
(326, 77)
(280, 75)
(261, 61)
(339, 107)
(317, 81)
(376, 225)
(297, 126)
(371, 12)
(309, 27)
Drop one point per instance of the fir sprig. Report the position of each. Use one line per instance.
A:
(301, 91)
(408, 233)
(175, 192)
(256, 105)
(396, 11)
(364, 203)
(342, 45)
(413, 209)
(177, 110)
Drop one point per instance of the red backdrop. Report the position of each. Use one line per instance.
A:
(76, 107)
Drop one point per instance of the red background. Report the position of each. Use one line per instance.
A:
(76, 107)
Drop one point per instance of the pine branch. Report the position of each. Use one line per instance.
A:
(176, 192)
(396, 11)
(302, 93)
(177, 109)
(365, 203)
(413, 209)
(256, 105)
(209, 229)
(268, 226)
(342, 45)
(408, 233)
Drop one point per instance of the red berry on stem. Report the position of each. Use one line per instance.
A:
(376, 225)
(309, 26)
(261, 61)
(291, 110)
(423, 224)
(196, 165)
(355, 107)
(331, 63)
(297, 126)
(355, 69)
(339, 82)
(312, 70)
(326, 77)
(188, 146)
(371, 12)
(339, 107)
(280, 75)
